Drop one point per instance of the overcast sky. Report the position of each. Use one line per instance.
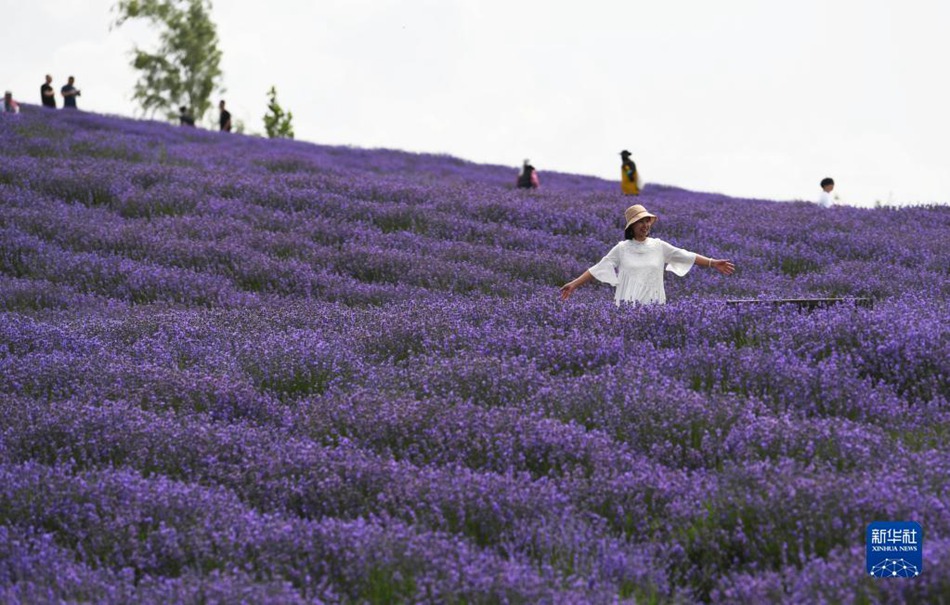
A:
(748, 98)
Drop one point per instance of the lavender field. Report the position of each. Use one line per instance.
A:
(242, 370)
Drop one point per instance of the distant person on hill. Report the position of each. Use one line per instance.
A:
(635, 265)
(629, 177)
(184, 117)
(9, 105)
(528, 177)
(224, 118)
(69, 92)
(47, 96)
(827, 186)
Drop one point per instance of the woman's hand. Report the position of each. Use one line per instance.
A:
(723, 266)
(567, 289)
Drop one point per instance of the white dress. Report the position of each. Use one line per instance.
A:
(636, 269)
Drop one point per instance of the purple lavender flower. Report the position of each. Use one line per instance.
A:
(271, 371)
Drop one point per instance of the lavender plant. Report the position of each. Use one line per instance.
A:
(234, 369)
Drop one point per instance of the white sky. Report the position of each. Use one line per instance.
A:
(751, 98)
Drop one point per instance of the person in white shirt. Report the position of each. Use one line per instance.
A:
(827, 186)
(635, 265)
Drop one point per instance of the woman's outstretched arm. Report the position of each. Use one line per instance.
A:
(723, 266)
(568, 288)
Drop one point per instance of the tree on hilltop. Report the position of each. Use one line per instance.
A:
(186, 68)
(277, 123)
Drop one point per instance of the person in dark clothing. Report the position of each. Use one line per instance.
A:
(184, 117)
(528, 177)
(224, 118)
(9, 105)
(69, 92)
(47, 96)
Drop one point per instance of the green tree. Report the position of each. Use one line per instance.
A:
(277, 124)
(186, 68)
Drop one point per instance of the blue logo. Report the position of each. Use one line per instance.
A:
(895, 549)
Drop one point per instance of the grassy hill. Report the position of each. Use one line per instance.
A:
(234, 368)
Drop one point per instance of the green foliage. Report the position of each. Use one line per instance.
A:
(276, 122)
(185, 70)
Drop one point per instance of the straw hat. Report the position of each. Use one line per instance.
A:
(635, 213)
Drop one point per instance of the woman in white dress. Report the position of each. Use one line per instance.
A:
(635, 265)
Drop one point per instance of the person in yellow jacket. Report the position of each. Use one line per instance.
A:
(629, 177)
